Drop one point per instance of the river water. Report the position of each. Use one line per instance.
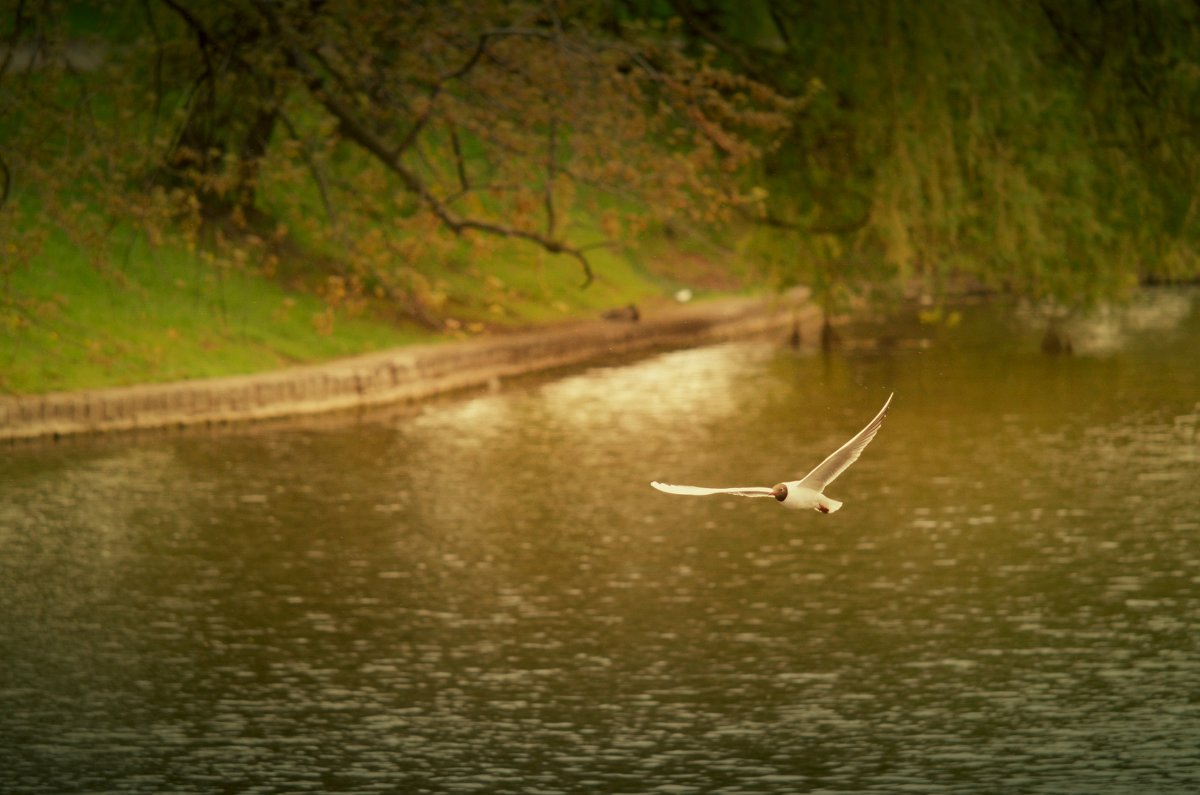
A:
(484, 594)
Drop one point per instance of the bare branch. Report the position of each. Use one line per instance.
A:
(476, 55)
(313, 168)
(207, 79)
(354, 128)
(319, 54)
(481, 46)
(5, 181)
(551, 171)
(706, 32)
(421, 121)
(459, 162)
(781, 25)
(156, 70)
(203, 40)
(1071, 40)
(18, 24)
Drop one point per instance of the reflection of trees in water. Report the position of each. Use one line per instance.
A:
(1110, 327)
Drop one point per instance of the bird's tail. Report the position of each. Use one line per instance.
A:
(827, 505)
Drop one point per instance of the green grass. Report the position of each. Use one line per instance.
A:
(160, 315)
(143, 314)
(518, 285)
(75, 317)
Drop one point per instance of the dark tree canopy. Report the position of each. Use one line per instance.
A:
(1044, 147)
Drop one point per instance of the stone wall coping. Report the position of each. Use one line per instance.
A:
(398, 375)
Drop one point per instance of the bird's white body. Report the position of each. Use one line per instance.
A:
(805, 499)
(808, 493)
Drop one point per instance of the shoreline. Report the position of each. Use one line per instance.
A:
(403, 375)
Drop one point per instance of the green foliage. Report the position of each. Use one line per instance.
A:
(362, 130)
(461, 165)
(1044, 148)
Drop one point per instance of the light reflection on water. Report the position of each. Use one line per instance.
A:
(484, 595)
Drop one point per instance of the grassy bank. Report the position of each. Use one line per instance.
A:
(136, 313)
(157, 225)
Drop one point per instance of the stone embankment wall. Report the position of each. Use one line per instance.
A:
(400, 375)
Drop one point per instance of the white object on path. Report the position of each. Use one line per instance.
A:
(809, 491)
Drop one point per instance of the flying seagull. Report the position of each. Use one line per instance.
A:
(809, 491)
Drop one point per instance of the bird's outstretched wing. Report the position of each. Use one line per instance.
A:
(700, 491)
(828, 470)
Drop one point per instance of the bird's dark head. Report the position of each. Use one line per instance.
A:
(779, 492)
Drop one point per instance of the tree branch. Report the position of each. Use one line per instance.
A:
(313, 168)
(780, 23)
(353, 128)
(206, 80)
(156, 71)
(551, 171)
(460, 165)
(746, 64)
(1070, 39)
(481, 46)
(5, 181)
(18, 24)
